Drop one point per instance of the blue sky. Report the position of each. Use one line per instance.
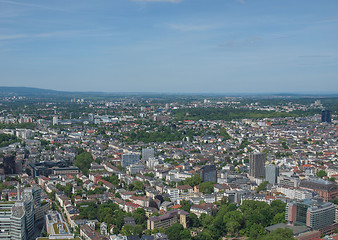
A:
(206, 46)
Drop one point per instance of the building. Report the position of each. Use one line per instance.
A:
(12, 221)
(326, 189)
(56, 227)
(55, 120)
(286, 181)
(168, 219)
(207, 208)
(208, 173)
(135, 168)
(257, 163)
(271, 173)
(147, 153)
(7, 164)
(173, 194)
(310, 213)
(91, 117)
(129, 159)
(326, 116)
(19, 218)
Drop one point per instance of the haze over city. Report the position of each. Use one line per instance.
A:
(172, 46)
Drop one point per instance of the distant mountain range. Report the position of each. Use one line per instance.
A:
(29, 91)
(26, 91)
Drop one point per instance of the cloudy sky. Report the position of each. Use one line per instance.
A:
(220, 46)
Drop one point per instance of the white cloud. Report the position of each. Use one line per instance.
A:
(241, 1)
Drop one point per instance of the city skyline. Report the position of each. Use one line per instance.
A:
(174, 46)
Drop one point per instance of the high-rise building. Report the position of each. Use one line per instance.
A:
(18, 219)
(271, 173)
(257, 163)
(326, 116)
(91, 117)
(8, 164)
(208, 173)
(129, 159)
(55, 120)
(147, 153)
(311, 213)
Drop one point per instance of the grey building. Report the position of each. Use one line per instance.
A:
(257, 163)
(208, 173)
(147, 153)
(129, 159)
(271, 173)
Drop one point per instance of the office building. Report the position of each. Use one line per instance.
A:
(129, 159)
(91, 117)
(257, 165)
(168, 219)
(19, 218)
(7, 164)
(55, 120)
(271, 173)
(326, 189)
(147, 153)
(326, 116)
(208, 173)
(310, 213)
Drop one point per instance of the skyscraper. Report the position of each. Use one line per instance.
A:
(257, 163)
(271, 173)
(18, 219)
(326, 116)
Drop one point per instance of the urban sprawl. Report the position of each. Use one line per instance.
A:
(168, 167)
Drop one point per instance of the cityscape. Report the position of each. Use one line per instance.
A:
(168, 120)
(167, 167)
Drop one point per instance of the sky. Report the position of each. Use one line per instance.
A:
(170, 46)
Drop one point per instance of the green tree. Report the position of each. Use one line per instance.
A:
(194, 221)
(206, 187)
(321, 174)
(278, 234)
(206, 220)
(256, 231)
(186, 205)
(173, 232)
(83, 161)
(262, 186)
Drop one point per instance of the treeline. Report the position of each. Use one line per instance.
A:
(28, 125)
(228, 114)
(111, 214)
(161, 134)
(6, 139)
(249, 219)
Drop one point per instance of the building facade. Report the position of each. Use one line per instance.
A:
(208, 173)
(271, 173)
(310, 213)
(326, 116)
(257, 163)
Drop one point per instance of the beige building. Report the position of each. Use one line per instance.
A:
(168, 219)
